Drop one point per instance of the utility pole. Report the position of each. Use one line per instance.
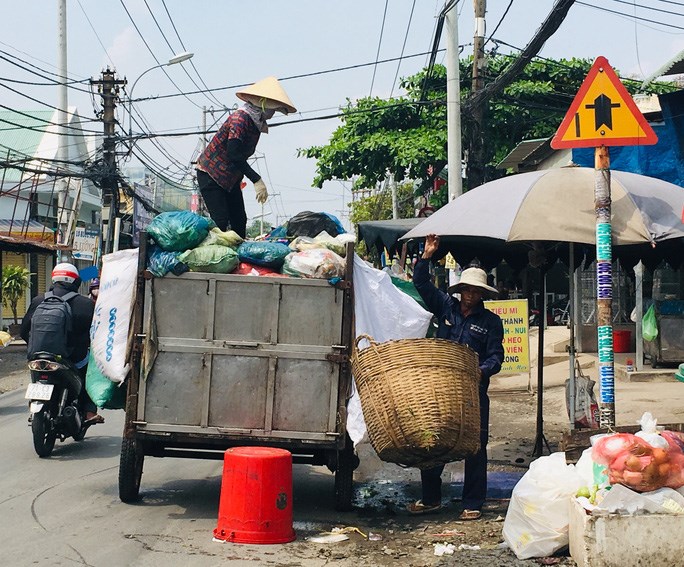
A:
(62, 120)
(108, 87)
(395, 203)
(476, 146)
(204, 128)
(454, 152)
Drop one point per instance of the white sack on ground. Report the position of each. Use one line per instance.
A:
(109, 331)
(385, 313)
(538, 515)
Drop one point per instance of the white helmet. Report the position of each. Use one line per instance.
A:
(64, 272)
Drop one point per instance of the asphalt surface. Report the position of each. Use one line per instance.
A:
(65, 510)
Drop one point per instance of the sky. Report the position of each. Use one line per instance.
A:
(310, 45)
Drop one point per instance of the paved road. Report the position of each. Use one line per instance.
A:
(65, 510)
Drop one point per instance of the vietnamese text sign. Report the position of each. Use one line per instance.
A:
(516, 328)
(141, 216)
(85, 244)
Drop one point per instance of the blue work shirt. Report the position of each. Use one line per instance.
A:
(481, 330)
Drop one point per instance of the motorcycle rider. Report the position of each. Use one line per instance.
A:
(65, 279)
(94, 289)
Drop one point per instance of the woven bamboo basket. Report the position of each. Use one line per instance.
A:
(420, 399)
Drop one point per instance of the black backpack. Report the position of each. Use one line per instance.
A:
(51, 325)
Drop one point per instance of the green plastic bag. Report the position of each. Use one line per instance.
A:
(104, 393)
(228, 238)
(649, 325)
(214, 258)
(176, 231)
(409, 289)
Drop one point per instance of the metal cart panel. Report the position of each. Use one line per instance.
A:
(244, 316)
(181, 308)
(310, 315)
(239, 388)
(305, 395)
(172, 389)
(221, 360)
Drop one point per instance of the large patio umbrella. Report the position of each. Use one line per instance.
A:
(533, 217)
(506, 218)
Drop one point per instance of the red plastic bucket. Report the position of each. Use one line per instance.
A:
(621, 341)
(256, 496)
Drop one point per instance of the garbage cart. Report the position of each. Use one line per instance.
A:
(222, 360)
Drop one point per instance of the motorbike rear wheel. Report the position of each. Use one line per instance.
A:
(43, 438)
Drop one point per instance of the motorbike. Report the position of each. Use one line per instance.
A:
(53, 394)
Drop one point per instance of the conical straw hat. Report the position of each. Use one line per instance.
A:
(269, 94)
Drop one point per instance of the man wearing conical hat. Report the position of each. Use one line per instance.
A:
(223, 164)
(468, 322)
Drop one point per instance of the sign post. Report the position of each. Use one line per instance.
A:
(603, 114)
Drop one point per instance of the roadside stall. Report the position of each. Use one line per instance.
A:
(666, 321)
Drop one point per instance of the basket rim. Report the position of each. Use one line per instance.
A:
(412, 339)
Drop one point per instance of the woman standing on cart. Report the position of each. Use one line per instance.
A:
(223, 164)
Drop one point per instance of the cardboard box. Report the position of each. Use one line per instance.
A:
(656, 540)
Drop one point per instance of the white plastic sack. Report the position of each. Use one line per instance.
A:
(537, 520)
(314, 263)
(622, 500)
(585, 467)
(384, 312)
(586, 407)
(649, 431)
(109, 330)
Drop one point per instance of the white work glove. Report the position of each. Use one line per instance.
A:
(261, 192)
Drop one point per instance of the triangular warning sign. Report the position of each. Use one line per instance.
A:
(603, 114)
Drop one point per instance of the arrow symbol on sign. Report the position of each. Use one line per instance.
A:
(603, 113)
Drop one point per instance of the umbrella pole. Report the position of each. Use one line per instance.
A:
(540, 440)
(571, 350)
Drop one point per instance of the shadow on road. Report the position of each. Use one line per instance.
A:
(199, 498)
(13, 410)
(95, 446)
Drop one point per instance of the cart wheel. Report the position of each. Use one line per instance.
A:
(347, 461)
(130, 470)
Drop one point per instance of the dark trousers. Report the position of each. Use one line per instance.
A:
(226, 208)
(475, 481)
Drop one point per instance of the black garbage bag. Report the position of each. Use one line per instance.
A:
(312, 224)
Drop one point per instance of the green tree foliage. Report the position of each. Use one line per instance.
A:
(379, 206)
(405, 136)
(15, 280)
(254, 229)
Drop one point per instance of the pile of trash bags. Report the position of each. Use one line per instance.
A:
(646, 461)
(621, 473)
(187, 241)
